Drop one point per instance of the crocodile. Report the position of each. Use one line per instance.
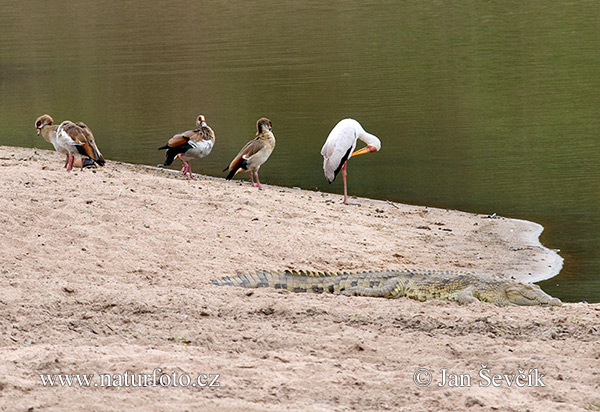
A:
(422, 285)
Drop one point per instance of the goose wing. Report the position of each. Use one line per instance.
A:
(249, 149)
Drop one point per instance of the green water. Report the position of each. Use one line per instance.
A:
(483, 106)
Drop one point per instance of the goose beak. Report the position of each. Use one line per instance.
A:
(366, 149)
(38, 131)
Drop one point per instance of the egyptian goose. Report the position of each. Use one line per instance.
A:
(193, 144)
(254, 153)
(70, 139)
(340, 146)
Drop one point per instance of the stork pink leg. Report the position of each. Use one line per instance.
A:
(257, 181)
(66, 160)
(345, 188)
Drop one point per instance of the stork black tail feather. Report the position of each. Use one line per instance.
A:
(344, 159)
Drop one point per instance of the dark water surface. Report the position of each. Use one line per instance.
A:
(490, 107)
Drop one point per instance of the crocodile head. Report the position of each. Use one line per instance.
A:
(528, 294)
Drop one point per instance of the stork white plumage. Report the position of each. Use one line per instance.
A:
(340, 145)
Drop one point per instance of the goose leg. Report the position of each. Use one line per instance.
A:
(184, 164)
(189, 170)
(257, 181)
(70, 163)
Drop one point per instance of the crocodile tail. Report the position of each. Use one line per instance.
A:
(258, 279)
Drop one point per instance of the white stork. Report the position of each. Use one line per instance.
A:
(340, 145)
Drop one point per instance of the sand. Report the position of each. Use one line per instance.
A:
(107, 271)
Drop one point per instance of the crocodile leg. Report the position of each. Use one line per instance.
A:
(466, 296)
(392, 288)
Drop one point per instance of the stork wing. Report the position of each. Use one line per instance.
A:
(337, 149)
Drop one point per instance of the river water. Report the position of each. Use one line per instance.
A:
(482, 106)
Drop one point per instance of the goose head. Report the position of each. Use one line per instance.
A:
(200, 121)
(43, 120)
(263, 124)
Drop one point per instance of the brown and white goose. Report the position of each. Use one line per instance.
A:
(70, 139)
(255, 152)
(193, 144)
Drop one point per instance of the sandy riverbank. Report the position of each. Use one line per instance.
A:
(108, 271)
